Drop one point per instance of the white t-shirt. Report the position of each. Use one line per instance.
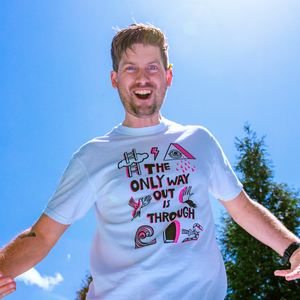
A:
(155, 235)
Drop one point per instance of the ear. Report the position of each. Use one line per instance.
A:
(169, 77)
(114, 79)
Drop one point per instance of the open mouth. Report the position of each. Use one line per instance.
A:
(143, 94)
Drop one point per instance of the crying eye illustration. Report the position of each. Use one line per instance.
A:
(175, 153)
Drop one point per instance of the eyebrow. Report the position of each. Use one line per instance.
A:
(127, 63)
(132, 63)
(154, 62)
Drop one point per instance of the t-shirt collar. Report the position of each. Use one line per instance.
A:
(121, 129)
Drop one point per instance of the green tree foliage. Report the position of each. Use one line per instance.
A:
(81, 294)
(250, 265)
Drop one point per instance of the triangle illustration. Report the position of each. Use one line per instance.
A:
(176, 152)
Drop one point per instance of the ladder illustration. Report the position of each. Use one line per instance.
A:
(135, 166)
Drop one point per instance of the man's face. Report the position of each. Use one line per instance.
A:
(142, 81)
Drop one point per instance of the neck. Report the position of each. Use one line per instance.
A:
(135, 122)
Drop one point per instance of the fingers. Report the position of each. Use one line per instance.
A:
(293, 275)
(288, 274)
(7, 285)
(282, 273)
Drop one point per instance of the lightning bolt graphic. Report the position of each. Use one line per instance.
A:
(155, 152)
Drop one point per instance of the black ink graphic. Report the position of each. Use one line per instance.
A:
(176, 152)
(186, 213)
(132, 162)
(172, 232)
(192, 233)
(184, 196)
(154, 151)
(142, 233)
(137, 206)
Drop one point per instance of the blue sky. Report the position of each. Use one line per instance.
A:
(234, 61)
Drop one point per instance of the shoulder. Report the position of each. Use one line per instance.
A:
(96, 144)
(89, 146)
(196, 130)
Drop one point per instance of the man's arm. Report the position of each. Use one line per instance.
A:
(263, 225)
(26, 250)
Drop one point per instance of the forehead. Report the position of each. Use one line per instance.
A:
(141, 54)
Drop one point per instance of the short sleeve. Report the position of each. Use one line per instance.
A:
(74, 196)
(224, 184)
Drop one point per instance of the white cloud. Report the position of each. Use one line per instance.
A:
(32, 276)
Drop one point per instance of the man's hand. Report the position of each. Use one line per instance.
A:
(7, 285)
(263, 225)
(294, 272)
(26, 250)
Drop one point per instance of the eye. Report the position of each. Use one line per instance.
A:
(152, 68)
(130, 69)
(175, 154)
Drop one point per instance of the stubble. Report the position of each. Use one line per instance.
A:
(143, 111)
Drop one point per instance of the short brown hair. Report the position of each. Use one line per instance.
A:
(138, 34)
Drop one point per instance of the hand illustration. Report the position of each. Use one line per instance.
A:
(184, 196)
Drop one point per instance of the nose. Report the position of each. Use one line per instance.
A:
(142, 77)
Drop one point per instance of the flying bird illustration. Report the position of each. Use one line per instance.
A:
(137, 206)
(192, 233)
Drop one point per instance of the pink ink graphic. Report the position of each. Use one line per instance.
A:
(142, 233)
(132, 162)
(176, 152)
(185, 167)
(137, 206)
(192, 233)
(184, 196)
(155, 152)
(172, 232)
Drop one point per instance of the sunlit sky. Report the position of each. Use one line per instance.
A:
(234, 61)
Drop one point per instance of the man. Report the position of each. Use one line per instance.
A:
(148, 180)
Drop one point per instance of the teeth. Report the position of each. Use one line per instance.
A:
(143, 92)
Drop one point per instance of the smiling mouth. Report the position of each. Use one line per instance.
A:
(143, 94)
